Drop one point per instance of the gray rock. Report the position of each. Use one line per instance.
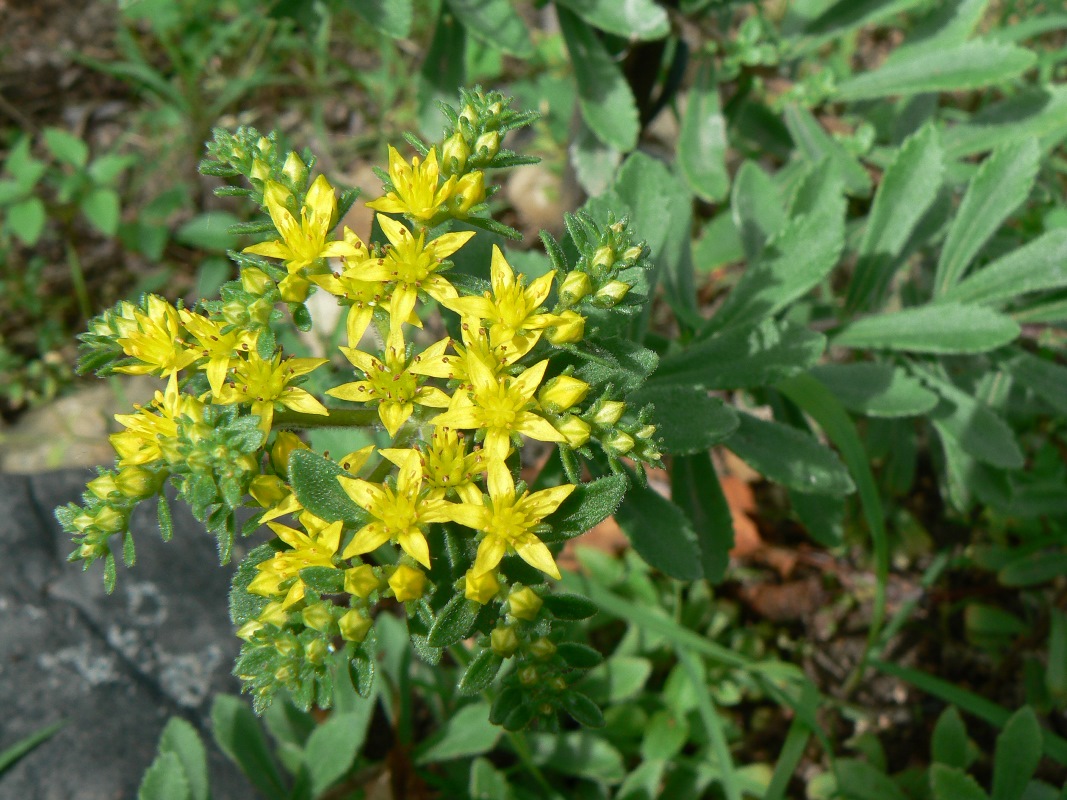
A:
(114, 668)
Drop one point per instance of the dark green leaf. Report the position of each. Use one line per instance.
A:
(1033, 569)
(209, 231)
(1045, 378)
(966, 66)
(949, 744)
(580, 753)
(584, 711)
(480, 673)
(604, 96)
(950, 783)
(1034, 267)
(687, 419)
(876, 389)
(790, 457)
(467, 732)
(660, 533)
(588, 505)
(594, 161)
(695, 488)
(579, 656)
(239, 736)
(742, 357)
(333, 745)
(454, 622)
(442, 72)
(847, 15)
(164, 780)
(181, 739)
(702, 140)
(908, 188)
(757, 207)
(495, 23)
(1035, 112)
(816, 145)
(941, 328)
(324, 580)
(1001, 184)
(314, 481)
(638, 19)
(624, 364)
(564, 605)
(391, 17)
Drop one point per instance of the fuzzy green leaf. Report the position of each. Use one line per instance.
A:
(454, 622)
(687, 419)
(637, 19)
(480, 673)
(941, 328)
(391, 17)
(588, 505)
(164, 780)
(495, 23)
(977, 430)
(695, 488)
(333, 746)
(564, 605)
(702, 140)
(757, 207)
(584, 711)
(467, 732)
(815, 144)
(239, 736)
(1037, 266)
(950, 783)
(181, 739)
(847, 15)
(1045, 378)
(314, 480)
(660, 533)
(949, 744)
(876, 389)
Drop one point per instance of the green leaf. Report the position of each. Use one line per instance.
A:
(314, 481)
(665, 736)
(847, 15)
(333, 746)
(583, 710)
(564, 605)
(10, 756)
(604, 97)
(209, 231)
(594, 161)
(624, 364)
(1017, 755)
(495, 23)
(466, 732)
(660, 533)
(239, 736)
(1045, 378)
(687, 419)
(23, 167)
(181, 739)
(25, 219)
(454, 622)
(391, 17)
(941, 328)
(949, 744)
(1036, 112)
(443, 70)
(858, 780)
(950, 24)
(815, 144)
(742, 357)
(702, 139)
(106, 169)
(695, 488)
(876, 389)
(102, 208)
(1034, 267)
(588, 505)
(1033, 569)
(580, 753)
(908, 188)
(633, 19)
(480, 673)
(950, 783)
(164, 780)
(487, 782)
(757, 208)
(578, 655)
(792, 262)
(618, 679)
(324, 580)
(967, 66)
(66, 147)
(790, 457)
(999, 186)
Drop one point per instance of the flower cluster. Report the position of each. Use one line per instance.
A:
(439, 519)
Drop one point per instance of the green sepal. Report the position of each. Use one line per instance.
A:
(166, 521)
(579, 656)
(480, 673)
(324, 580)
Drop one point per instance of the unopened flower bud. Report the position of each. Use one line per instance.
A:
(524, 603)
(259, 312)
(317, 616)
(609, 413)
(568, 327)
(619, 442)
(354, 626)
(256, 281)
(102, 486)
(109, 520)
(542, 648)
(316, 651)
(361, 581)
(295, 170)
(613, 291)
(495, 109)
(407, 583)
(235, 313)
(646, 432)
(468, 114)
(574, 287)
(284, 445)
(455, 147)
(276, 615)
(260, 170)
(574, 429)
(562, 393)
(481, 588)
(248, 630)
(294, 288)
(529, 675)
(503, 641)
(268, 490)
(469, 192)
(490, 140)
(633, 253)
(265, 146)
(604, 257)
(136, 482)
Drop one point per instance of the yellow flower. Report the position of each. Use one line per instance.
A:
(562, 393)
(275, 495)
(393, 383)
(266, 383)
(469, 192)
(354, 626)
(353, 290)
(315, 548)
(398, 514)
(302, 243)
(220, 349)
(407, 583)
(500, 406)
(361, 581)
(480, 588)
(566, 327)
(508, 522)
(513, 310)
(157, 341)
(448, 465)
(151, 433)
(417, 190)
(412, 264)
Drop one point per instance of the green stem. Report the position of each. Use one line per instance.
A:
(337, 418)
(77, 277)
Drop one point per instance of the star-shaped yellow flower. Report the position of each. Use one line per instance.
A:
(316, 548)
(392, 382)
(508, 522)
(352, 289)
(412, 264)
(220, 349)
(266, 383)
(417, 188)
(157, 341)
(152, 432)
(398, 514)
(500, 406)
(513, 310)
(302, 242)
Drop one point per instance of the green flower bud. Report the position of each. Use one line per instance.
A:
(542, 648)
(316, 651)
(562, 393)
(529, 675)
(647, 432)
(574, 429)
(619, 442)
(568, 327)
(609, 413)
(136, 482)
(256, 281)
(490, 141)
(361, 581)
(354, 626)
(503, 642)
(102, 486)
(455, 147)
(574, 287)
(604, 257)
(613, 291)
(524, 603)
(295, 170)
(318, 617)
(235, 313)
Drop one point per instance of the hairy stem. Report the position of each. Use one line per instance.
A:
(337, 418)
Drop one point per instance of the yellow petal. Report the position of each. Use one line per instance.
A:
(533, 551)
(302, 402)
(393, 415)
(490, 551)
(414, 544)
(369, 538)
